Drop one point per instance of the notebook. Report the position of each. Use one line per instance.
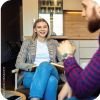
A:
(5, 93)
(60, 68)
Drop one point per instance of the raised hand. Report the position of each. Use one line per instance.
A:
(66, 47)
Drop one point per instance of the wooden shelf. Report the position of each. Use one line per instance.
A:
(50, 6)
(52, 37)
(27, 37)
(74, 38)
(59, 37)
(69, 38)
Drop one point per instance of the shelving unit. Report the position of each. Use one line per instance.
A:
(47, 8)
(51, 10)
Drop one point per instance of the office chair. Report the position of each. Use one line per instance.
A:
(18, 43)
(13, 49)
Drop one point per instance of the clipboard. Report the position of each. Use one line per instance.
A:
(60, 68)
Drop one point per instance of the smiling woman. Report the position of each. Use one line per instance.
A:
(38, 51)
(41, 30)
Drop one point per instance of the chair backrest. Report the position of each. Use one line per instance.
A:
(18, 43)
(12, 48)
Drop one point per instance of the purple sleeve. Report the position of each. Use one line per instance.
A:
(83, 82)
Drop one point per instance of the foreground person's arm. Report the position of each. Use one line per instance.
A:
(66, 92)
(83, 82)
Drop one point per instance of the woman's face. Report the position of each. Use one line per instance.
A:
(41, 29)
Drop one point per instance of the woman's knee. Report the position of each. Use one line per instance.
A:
(53, 81)
(27, 82)
(28, 79)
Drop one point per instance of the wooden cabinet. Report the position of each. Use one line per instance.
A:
(87, 52)
(72, 5)
(85, 49)
(30, 13)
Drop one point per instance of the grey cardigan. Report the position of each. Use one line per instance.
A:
(26, 56)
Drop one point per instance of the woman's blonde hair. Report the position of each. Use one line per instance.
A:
(35, 34)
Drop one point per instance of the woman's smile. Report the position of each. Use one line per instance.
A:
(42, 33)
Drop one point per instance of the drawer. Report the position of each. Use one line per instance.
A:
(87, 52)
(89, 43)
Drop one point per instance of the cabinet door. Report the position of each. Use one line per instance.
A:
(89, 44)
(30, 12)
(72, 5)
(87, 50)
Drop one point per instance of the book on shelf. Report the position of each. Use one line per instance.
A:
(60, 68)
(55, 2)
(41, 2)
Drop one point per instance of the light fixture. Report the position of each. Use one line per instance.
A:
(74, 12)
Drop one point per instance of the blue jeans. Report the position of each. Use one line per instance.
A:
(43, 82)
(74, 98)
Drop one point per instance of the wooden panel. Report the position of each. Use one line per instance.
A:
(89, 43)
(74, 25)
(87, 52)
(72, 5)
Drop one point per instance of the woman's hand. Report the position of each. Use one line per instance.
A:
(66, 47)
(66, 92)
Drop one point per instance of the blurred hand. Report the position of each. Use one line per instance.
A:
(66, 47)
(66, 92)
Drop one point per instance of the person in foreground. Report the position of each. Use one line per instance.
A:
(82, 83)
(39, 50)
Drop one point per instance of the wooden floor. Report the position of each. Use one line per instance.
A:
(8, 85)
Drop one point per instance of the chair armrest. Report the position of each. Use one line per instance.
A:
(16, 74)
(15, 71)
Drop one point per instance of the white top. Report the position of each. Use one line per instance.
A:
(42, 53)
